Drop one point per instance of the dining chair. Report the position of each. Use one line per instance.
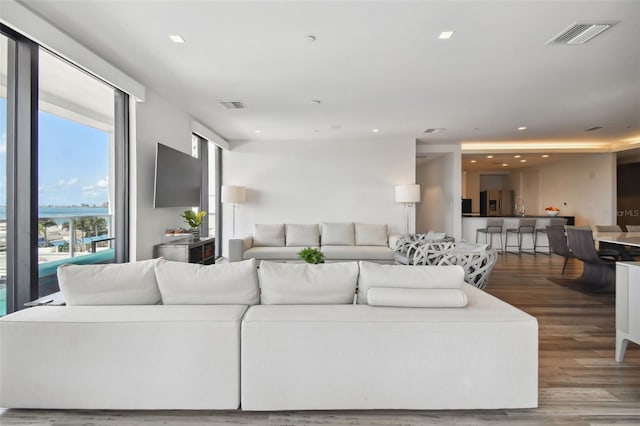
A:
(599, 273)
(558, 244)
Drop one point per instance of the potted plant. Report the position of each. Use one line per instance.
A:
(194, 220)
(311, 255)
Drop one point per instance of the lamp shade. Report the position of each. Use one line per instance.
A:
(408, 193)
(233, 194)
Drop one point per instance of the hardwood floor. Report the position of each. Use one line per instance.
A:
(580, 383)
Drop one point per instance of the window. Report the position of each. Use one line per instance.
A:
(63, 170)
(4, 55)
(76, 148)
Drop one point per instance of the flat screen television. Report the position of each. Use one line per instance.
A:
(178, 178)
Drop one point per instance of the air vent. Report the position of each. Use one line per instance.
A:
(233, 105)
(433, 131)
(580, 33)
(593, 129)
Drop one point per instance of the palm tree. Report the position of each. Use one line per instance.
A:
(43, 224)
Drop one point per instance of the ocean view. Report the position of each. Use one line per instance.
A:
(62, 212)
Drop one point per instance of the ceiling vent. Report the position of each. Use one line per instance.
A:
(433, 131)
(233, 105)
(580, 33)
(593, 129)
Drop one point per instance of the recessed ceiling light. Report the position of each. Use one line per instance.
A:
(489, 156)
(258, 131)
(375, 130)
(176, 38)
(316, 101)
(522, 128)
(545, 156)
(516, 156)
(310, 38)
(445, 35)
(523, 161)
(473, 161)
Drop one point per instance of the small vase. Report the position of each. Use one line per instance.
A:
(196, 233)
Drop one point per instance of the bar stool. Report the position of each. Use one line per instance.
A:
(525, 226)
(555, 222)
(493, 226)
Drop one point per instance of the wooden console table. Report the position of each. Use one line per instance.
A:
(201, 251)
(627, 306)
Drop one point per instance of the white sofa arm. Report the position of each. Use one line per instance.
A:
(237, 247)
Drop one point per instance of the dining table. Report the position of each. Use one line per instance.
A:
(619, 241)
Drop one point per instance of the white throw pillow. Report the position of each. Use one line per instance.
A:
(405, 276)
(303, 283)
(417, 297)
(467, 247)
(338, 234)
(192, 284)
(435, 236)
(371, 235)
(268, 235)
(303, 235)
(131, 283)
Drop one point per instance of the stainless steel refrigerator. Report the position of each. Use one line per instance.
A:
(496, 203)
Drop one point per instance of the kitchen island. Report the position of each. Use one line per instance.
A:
(471, 222)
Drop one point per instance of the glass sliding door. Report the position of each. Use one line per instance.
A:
(4, 57)
(76, 169)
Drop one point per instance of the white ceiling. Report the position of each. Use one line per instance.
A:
(376, 64)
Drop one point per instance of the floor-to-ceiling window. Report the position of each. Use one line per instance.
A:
(3, 173)
(63, 168)
(75, 169)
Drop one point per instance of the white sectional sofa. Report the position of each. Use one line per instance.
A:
(280, 337)
(338, 242)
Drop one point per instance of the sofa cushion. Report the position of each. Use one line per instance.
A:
(302, 235)
(403, 276)
(132, 283)
(417, 297)
(357, 253)
(303, 283)
(268, 235)
(338, 234)
(371, 234)
(434, 236)
(273, 253)
(192, 284)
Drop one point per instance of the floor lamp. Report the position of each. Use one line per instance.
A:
(409, 195)
(235, 195)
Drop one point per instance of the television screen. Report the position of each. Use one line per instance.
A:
(178, 178)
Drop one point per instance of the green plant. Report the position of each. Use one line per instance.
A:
(193, 219)
(311, 255)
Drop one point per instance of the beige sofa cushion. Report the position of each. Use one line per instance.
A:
(376, 253)
(371, 234)
(302, 235)
(268, 235)
(273, 253)
(338, 234)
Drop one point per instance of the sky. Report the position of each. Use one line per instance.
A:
(73, 161)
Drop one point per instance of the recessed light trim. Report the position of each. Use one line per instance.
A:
(523, 161)
(522, 128)
(258, 131)
(545, 156)
(446, 35)
(176, 38)
(316, 101)
(375, 130)
(517, 156)
(474, 161)
(489, 156)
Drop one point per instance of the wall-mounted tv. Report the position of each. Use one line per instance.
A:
(178, 178)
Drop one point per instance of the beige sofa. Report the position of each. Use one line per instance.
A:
(337, 241)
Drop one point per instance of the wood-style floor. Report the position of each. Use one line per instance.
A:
(580, 382)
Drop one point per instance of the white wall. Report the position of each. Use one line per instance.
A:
(156, 121)
(584, 187)
(315, 181)
(439, 197)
